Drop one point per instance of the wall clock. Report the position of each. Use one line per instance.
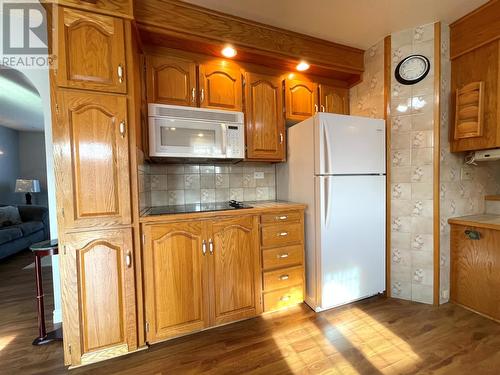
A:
(412, 69)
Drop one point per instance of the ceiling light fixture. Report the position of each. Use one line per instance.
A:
(301, 66)
(229, 51)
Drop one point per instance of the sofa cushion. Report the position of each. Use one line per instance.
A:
(9, 215)
(29, 227)
(10, 234)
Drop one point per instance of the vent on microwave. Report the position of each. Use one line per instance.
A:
(195, 114)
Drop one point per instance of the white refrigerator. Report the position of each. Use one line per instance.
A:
(336, 165)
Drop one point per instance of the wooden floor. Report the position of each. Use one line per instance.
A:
(376, 336)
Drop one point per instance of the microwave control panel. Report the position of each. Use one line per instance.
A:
(235, 142)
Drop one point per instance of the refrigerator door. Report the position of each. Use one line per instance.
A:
(349, 145)
(352, 240)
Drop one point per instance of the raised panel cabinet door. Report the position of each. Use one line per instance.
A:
(176, 279)
(235, 269)
(92, 159)
(98, 295)
(220, 87)
(301, 100)
(334, 99)
(171, 81)
(91, 51)
(265, 128)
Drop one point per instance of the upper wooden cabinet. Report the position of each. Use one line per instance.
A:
(301, 99)
(92, 156)
(91, 51)
(121, 8)
(176, 283)
(333, 99)
(265, 128)
(479, 130)
(220, 87)
(98, 294)
(234, 250)
(171, 80)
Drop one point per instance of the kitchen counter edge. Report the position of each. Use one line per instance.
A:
(488, 221)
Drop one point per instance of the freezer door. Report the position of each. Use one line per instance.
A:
(352, 217)
(349, 145)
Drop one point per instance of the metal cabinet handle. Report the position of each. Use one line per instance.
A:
(120, 73)
(284, 217)
(128, 259)
(284, 255)
(281, 138)
(322, 108)
(316, 108)
(211, 246)
(284, 277)
(204, 247)
(473, 234)
(193, 95)
(284, 298)
(123, 128)
(202, 96)
(283, 234)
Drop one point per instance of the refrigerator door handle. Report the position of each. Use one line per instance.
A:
(326, 195)
(326, 151)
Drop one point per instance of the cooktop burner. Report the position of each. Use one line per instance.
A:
(197, 207)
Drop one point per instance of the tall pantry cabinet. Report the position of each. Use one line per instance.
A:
(92, 135)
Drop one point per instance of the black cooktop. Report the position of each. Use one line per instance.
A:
(197, 207)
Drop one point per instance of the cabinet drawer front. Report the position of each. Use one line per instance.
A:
(280, 217)
(282, 257)
(277, 235)
(283, 298)
(284, 278)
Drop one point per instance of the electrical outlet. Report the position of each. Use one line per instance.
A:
(258, 175)
(466, 173)
(445, 294)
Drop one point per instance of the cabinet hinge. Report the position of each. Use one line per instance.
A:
(147, 327)
(62, 212)
(57, 108)
(69, 348)
(65, 249)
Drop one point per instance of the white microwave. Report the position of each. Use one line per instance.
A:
(184, 132)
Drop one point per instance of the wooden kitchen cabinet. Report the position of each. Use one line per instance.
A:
(220, 86)
(92, 156)
(98, 295)
(91, 51)
(333, 99)
(122, 8)
(176, 279)
(475, 261)
(235, 268)
(171, 80)
(301, 99)
(265, 128)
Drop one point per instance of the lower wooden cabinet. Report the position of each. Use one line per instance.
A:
(98, 290)
(475, 261)
(200, 273)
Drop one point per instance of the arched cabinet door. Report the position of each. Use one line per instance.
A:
(98, 289)
(301, 99)
(91, 51)
(235, 269)
(91, 151)
(171, 80)
(265, 128)
(220, 87)
(334, 99)
(175, 279)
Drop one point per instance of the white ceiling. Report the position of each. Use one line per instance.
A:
(357, 23)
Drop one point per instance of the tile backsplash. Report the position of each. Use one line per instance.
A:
(174, 184)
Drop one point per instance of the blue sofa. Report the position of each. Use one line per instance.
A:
(34, 228)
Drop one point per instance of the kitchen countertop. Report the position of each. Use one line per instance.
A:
(257, 208)
(488, 221)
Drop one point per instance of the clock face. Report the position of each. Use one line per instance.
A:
(412, 69)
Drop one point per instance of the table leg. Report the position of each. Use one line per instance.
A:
(42, 333)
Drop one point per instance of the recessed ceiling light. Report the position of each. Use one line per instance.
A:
(301, 66)
(229, 51)
(1, 152)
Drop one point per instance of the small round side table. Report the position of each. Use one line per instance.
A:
(40, 250)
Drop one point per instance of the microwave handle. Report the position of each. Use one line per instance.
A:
(224, 139)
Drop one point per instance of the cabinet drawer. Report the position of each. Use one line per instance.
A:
(282, 298)
(278, 235)
(282, 257)
(283, 278)
(280, 217)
